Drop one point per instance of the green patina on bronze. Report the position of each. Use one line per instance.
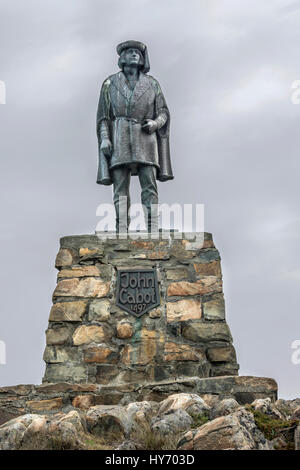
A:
(133, 127)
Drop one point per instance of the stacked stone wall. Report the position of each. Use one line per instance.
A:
(91, 340)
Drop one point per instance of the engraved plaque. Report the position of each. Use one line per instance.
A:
(137, 290)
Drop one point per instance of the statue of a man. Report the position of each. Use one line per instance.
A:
(133, 123)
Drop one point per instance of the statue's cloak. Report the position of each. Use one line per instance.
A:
(125, 111)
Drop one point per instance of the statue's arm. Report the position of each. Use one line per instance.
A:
(103, 116)
(161, 119)
(161, 111)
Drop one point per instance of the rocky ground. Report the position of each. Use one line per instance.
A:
(182, 421)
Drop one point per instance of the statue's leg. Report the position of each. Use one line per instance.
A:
(121, 183)
(149, 196)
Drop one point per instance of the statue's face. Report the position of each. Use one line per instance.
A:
(132, 56)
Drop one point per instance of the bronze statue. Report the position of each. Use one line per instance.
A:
(133, 125)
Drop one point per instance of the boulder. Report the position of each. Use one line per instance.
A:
(189, 402)
(233, 432)
(63, 432)
(105, 420)
(139, 413)
(296, 414)
(129, 445)
(172, 422)
(12, 432)
(224, 407)
(265, 406)
(287, 407)
(35, 432)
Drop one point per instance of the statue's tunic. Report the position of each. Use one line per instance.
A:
(121, 114)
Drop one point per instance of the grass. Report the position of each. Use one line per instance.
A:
(44, 441)
(54, 441)
(148, 439)
(98, 443)
(199, 420)
(274, 427)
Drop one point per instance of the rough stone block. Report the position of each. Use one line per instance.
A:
(177, 274)
(223, 354)
(206, 285)
(74, 373)
(78, 271)
(214, 309)
(68, 311)
(58, 354)
(183, 310)
(223, 369)
(101, 354)
(106, 373)
(45, 405)
(87, 334)
(58, 336)
(142, 245)
(158, 255)
(84, 402)
(87, 287)
(182, 352)
(144, 350)
(124, 330)
(206, 332)
(64, 258)
(156, 313)
(65, 387)
(86, 253)
(207, 255)
(99, 310)
(200, 244)
(208, 269)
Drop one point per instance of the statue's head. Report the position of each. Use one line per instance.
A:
(133, 53)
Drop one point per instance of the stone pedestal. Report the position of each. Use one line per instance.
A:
(92, 340)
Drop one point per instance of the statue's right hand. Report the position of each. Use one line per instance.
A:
(106, 147)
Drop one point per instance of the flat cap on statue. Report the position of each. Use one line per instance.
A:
(131, 43)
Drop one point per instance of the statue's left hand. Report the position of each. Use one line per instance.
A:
(150, 126)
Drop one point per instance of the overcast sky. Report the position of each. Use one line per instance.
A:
(226, 68)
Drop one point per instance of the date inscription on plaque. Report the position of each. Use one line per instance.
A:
(137, 290)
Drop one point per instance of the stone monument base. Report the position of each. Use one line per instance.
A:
(101, 352)
(56, 397)
(179, 331)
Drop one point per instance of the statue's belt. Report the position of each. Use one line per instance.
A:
(136, 121)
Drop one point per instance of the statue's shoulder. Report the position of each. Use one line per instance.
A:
(154, 83)
(111, 79)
